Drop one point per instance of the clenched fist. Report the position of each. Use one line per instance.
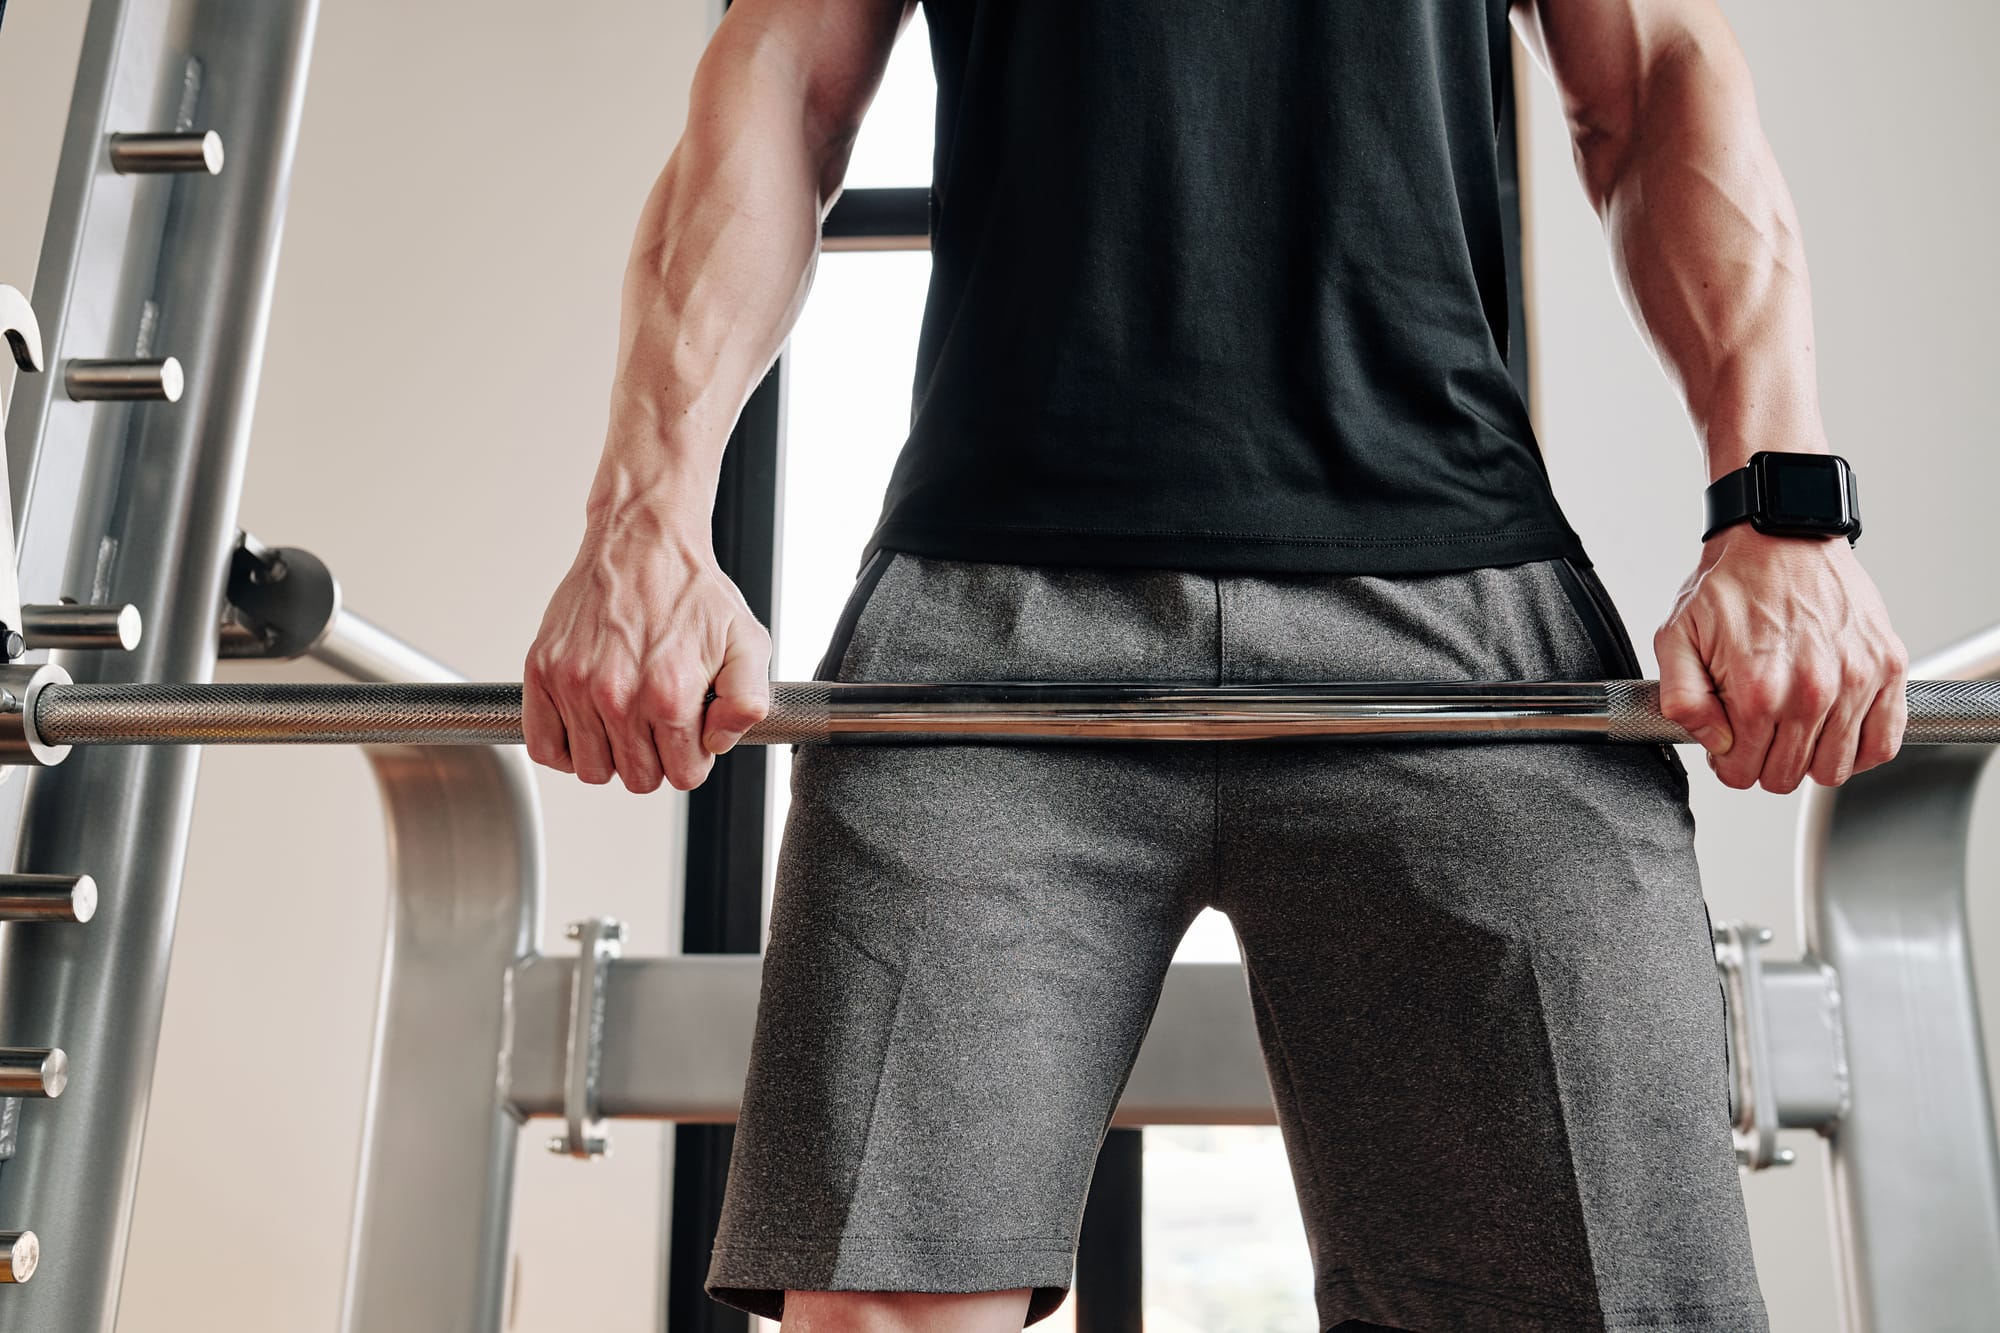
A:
(644, 625)
(1779, 659)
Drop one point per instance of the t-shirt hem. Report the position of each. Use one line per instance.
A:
(1233, 553)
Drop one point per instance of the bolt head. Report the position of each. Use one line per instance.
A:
(574, 930)
(558, 1145)
(1784, 1157)
(1765, 935)
(13, 644)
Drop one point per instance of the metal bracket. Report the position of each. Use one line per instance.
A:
(1787, 1046)
(600, 939)
(280, 602)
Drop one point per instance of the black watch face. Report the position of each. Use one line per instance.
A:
(1804, 490)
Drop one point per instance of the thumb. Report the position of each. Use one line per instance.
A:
(1687, 694)
(742, 690)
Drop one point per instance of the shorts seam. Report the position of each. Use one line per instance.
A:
(1563, 1126)
(882, 1073)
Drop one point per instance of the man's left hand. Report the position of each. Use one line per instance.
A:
(1779, 659)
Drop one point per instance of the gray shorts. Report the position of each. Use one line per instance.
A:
(1482, 974)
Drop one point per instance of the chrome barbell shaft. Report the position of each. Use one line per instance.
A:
(1941, 712)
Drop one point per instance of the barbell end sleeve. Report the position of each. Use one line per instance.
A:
(68, 625)
(21, 689)
(155, 380)
(20, 1255)
(68, 898)
(196, 152)
(33, 1071)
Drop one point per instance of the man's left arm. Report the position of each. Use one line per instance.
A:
(1778, 655)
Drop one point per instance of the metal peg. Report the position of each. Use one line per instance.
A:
(152, 154)
(158, 381)
(33, 1071)
(70, 625)
(70, 898)
(20, 1254)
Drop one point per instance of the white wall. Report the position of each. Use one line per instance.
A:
(1884, 123)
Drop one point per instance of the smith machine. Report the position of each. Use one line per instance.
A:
(125, 451)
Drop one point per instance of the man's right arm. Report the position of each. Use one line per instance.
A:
(645, 623)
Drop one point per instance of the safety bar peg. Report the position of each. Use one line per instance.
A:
(158, 380)
(20, 1255)
(33, 1071)
(156, 154)
(68, 898)
(70, 625)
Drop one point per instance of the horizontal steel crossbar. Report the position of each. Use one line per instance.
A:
(1941, 712)
(675, 1043)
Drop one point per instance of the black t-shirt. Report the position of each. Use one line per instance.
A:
(1219, 284)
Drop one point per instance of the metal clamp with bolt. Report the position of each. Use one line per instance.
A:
(600, 939)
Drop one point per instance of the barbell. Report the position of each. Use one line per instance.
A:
(43, 714)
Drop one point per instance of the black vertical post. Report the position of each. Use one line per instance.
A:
(723, 901)
(1110, 1269)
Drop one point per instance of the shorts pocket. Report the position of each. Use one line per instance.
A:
(850, 615)
(1606, 630)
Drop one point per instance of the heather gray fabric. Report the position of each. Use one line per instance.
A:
(1482, 974)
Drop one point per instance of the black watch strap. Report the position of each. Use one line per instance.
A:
(1730, 498)
(1786, 495)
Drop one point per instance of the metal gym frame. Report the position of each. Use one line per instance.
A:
(155, 284)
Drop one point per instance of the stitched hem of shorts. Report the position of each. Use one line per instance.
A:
(1417, 1302)
(756, 1277)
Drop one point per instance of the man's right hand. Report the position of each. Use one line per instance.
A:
(644, 625)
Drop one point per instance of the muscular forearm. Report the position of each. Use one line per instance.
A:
(724, 254)
(1778, 655)
(649, 662)
(1706, 247)
(1704, 240)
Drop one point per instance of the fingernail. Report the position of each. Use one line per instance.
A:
(1714, 739)
(718, 742)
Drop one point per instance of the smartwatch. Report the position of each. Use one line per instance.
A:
(1787, 495)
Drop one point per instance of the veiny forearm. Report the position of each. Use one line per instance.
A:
(724, 254)
(1705, 244)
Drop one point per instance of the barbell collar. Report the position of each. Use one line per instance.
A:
(21, 687)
